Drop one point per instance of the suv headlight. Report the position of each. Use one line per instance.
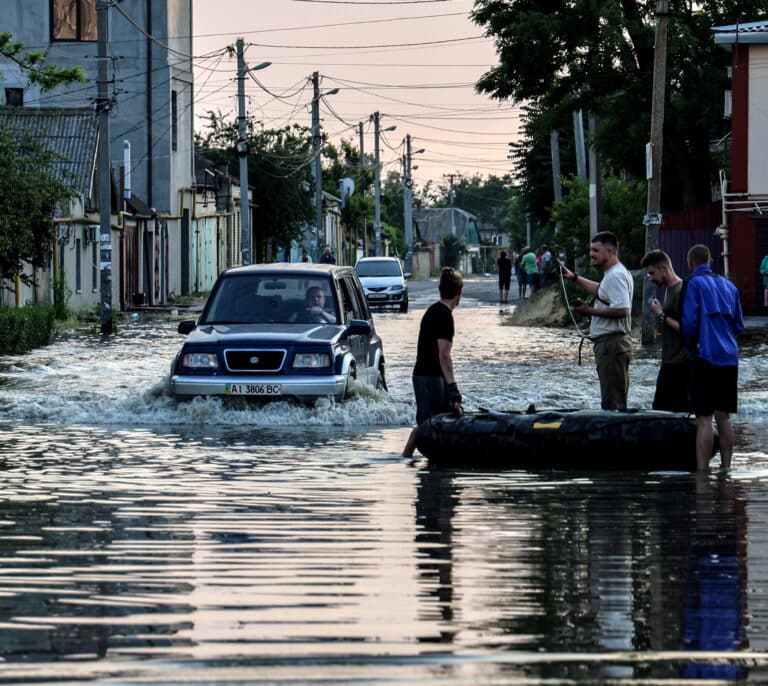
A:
(396, 289)
(311, 361)
(200, 361)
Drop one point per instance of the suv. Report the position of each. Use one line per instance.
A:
(383, 281)
(280, 330)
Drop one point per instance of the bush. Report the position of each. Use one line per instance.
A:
(24, 328)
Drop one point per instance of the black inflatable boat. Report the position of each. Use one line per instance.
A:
(561, 439)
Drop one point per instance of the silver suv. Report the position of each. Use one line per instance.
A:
(384, 282)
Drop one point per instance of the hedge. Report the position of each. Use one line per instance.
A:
(24, 328)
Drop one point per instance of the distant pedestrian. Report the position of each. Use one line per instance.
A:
(712, 317)
(531, 267)
(327, 256)
(305, 256)
(673, 384)
(764, 273)
(520, 274)
(505, 276)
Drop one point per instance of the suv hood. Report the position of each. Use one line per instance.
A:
(213, 334)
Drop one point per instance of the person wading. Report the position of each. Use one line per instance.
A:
(611, 320)
(673, 384)
(712, 317)
(434, 383)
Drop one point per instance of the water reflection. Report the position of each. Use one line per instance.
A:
(642, 570)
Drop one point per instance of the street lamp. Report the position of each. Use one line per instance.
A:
(242, 151)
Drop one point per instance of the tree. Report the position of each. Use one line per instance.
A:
(597, 56)
(279, 171)
(32, 63)
(30, 189)
(623, 206)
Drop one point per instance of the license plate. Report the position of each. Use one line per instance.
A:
(253, 389)
(377, 296)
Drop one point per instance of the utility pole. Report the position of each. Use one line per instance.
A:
(103, 107)
(242, 152)
(578, 137)
(377, 131)
(376, 185)
(450, 178)
(554, 151)
(594, 178)
(652, 219)
(408, 204)
(316, 162)
(362, 190)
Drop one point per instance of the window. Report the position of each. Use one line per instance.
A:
(14, 97)
(174, 121)
(73, 20)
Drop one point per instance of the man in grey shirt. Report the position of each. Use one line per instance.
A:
(611, 321)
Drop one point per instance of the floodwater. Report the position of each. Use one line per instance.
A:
(147, 542)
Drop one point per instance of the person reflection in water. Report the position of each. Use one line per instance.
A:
(314, 307)
(714, 600)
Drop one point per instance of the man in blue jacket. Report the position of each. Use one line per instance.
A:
(711, 319)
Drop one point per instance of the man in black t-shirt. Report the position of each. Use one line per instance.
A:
(434, 383)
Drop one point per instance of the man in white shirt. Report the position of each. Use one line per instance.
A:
(611, 321)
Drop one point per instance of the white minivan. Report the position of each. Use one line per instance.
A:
(383, 281)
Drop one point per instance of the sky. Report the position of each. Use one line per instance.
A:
(413, 61)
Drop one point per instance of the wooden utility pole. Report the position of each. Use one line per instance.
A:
(103, 106)
(652, 219)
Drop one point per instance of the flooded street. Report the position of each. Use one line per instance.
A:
(143, 541)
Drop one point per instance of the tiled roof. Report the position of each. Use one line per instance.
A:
(70, 132)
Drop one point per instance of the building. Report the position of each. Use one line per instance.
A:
(744, 228)
(151, 125)
(433, 225)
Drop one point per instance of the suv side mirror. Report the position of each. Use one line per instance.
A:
(359, 327)
(407, 275)
(186, 326)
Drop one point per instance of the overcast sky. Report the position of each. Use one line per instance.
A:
(415, 62)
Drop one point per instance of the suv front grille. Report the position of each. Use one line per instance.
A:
(254, 360)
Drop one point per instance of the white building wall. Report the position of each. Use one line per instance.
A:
(758, 120)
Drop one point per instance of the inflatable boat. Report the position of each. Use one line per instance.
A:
(561, 439)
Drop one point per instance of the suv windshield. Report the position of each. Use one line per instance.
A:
(271, 298)
(378, 268)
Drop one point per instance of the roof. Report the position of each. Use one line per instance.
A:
(309, 268)
(72, 133)
(755, 32)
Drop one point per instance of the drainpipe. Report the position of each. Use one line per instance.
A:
(722, 230)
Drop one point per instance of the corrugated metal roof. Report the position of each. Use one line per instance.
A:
(755, 32)
(69, 132)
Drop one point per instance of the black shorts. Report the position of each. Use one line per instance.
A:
(713, 388)
(504, 282)
(431, 398)
(673, 387)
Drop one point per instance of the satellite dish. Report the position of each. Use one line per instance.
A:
(346, 188)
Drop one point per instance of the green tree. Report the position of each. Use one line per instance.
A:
(279, 172)
(597, 56)
(30, 190)
(623, 206)
(32, 63)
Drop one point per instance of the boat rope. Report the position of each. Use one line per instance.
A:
(582, 335)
